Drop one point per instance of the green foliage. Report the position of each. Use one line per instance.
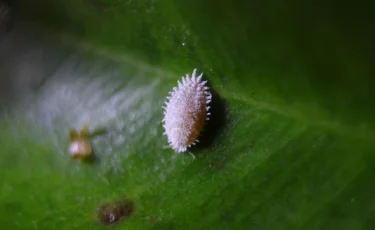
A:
(290, 145)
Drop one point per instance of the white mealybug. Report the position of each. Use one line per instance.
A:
(186, 112)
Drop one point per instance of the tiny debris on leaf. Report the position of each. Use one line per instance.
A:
(217, 165)
(110, 213)
(80, 146)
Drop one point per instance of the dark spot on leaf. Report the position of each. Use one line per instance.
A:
(92, 159)
(99, 132)
(217, 165)
(110, 213)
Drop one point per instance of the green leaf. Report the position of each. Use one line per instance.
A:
(290, 144)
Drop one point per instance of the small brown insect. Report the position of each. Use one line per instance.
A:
(110, 213)
(80, 146)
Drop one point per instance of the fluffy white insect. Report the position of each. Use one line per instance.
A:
(186, 112)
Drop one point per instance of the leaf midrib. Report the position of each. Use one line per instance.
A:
(335, 127)
(354, 132)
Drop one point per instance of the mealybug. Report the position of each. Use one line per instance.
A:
(186, 112)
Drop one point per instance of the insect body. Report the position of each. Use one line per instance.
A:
(186, 111)
(80, 146)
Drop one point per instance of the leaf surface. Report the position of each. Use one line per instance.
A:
(290, 144)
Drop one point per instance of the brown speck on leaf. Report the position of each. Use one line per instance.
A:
(110, 213)
(217, 165)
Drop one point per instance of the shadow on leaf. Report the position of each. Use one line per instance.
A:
(214, 126)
